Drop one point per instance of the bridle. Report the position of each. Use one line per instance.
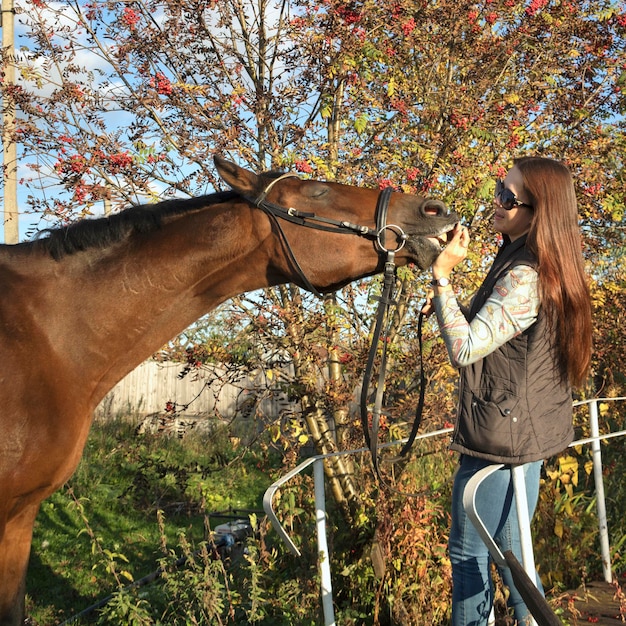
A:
(385, 300)
(311, 220)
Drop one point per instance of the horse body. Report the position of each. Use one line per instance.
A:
(86, 305)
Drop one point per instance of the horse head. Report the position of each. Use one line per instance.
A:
(413, 227)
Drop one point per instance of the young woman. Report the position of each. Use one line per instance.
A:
(521, 345)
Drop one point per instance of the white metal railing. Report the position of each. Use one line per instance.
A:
(596, 457)
(320, 500)
(519, 488)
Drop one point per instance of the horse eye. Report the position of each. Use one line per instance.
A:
(315, 190)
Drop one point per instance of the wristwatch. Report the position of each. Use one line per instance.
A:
(439, 282)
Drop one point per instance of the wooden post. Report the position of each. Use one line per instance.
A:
(9, 165)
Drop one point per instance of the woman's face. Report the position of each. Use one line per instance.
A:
(515, 222)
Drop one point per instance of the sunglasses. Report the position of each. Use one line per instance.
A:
(506, 198)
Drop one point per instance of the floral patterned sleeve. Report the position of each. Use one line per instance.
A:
(510, 309)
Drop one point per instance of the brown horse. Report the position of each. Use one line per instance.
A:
(84, 305)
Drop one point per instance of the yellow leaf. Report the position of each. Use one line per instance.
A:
(553, 474)
(274, 432)
(126, 574)
(558, 528)
(269, 374)
(511, 98)
(604, 408)
(568, 464)
(360, 123)
(589, 467)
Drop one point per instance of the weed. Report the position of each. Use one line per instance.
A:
(138, 503)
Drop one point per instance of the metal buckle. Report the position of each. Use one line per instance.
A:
(400, 234)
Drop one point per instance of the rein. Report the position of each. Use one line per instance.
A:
(386, 300)
(384, 319)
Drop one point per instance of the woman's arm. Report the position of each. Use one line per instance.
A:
(510, 309)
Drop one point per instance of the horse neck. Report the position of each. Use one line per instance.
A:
(104, 312)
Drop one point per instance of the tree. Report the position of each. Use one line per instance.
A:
(126, 101)
(123, 102)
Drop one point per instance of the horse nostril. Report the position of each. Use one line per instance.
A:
(435, 207)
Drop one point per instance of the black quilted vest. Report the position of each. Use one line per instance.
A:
(514, 406)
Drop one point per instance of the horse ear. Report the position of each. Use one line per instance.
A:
(240, 179)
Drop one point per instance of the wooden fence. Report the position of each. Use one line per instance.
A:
(153, 386)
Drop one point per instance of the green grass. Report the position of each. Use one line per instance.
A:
(139, 502)
(105, 518)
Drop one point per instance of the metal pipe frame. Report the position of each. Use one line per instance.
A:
(320, 502)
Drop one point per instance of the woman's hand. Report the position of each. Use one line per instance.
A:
(427, 307)
(452, 254)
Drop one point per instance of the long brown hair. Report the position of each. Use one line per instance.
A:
(554, 237)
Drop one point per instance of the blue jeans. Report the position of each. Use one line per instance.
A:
(472, 590)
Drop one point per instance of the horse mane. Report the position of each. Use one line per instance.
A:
(102, 232)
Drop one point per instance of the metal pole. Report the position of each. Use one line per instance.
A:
(11, 228)
(523, 520)
(599, 484)
(322, 545)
